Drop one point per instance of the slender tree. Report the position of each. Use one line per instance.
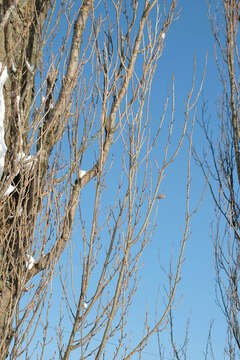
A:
(222, 167)
(75, 87)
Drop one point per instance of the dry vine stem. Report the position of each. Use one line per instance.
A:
(78, 91)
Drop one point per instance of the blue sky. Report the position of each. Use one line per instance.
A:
(190, 36)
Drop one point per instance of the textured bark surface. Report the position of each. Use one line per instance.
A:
(18, 48)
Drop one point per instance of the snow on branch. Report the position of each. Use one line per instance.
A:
(3, 148)
(82, 173)
(27, 160)
(30, 261)
(29, 67)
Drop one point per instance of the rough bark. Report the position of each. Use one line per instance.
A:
(19, 46)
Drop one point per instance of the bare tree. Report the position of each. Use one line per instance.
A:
(221, 166)
(75, 87)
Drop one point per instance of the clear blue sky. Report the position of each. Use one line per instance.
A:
(190, 36)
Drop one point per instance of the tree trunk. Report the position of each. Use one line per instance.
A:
(20, 35)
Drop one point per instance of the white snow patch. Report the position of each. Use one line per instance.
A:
(30, 262)
(18, 108)
(29, 67)
(3, 148)
(85, 305)
(9, 190)
(21, 156)
(19, 120)
(18, 102)
(82, 173)
(27, 160)
(13, 66)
